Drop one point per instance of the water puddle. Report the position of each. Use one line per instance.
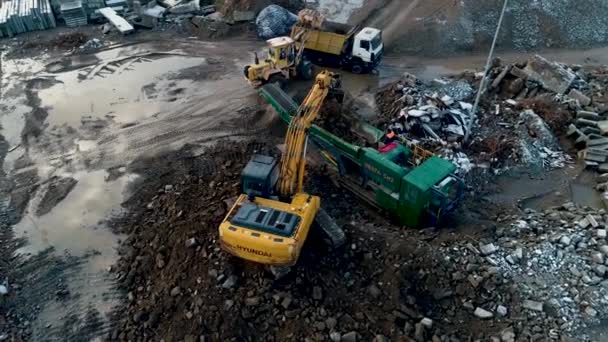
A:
(73, 224)
(74, 229)
(126, 95)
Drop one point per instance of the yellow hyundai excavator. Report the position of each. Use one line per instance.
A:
(270, 220)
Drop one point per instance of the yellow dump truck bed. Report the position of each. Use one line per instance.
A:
(327, 42)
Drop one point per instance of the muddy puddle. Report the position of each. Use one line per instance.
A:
(74, 223)
(121, 94)
(68, 243)
(75, 228)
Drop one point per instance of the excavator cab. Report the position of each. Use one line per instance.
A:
(260, 176)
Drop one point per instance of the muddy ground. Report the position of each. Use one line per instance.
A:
(114, 158)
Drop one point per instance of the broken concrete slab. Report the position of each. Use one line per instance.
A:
(588, 115)
(583, 99)
(552, 76)
(585, 122)
(590, 130)
(519, 73)
(240, 16)
(603, 127)
(188, 7)
(595, 157)
(533, 305)
(117, 21)
(602, 152)
(596, 142)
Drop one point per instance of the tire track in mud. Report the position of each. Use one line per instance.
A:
(201, 120)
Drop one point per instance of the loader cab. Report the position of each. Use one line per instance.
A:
(368, 46)
(281, 52)
(260, 176)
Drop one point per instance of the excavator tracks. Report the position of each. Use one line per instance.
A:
(332, 231)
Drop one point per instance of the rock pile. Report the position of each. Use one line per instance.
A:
(535, 275)
(556, 261)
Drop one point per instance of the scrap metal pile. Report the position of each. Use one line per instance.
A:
(523, 110)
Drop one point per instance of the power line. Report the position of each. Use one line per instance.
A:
(485, 74)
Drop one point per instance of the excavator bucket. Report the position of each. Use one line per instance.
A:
(310, 19)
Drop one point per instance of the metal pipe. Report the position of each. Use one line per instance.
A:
(485, 74)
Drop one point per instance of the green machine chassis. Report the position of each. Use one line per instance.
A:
(414, 195)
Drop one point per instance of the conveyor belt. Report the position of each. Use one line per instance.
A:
(275, 94)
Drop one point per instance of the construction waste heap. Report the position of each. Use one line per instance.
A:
(524, 110)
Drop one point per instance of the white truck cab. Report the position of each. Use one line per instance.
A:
(368, 46)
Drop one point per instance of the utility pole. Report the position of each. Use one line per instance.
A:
(482, 85)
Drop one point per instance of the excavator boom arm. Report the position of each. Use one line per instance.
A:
(293, 162)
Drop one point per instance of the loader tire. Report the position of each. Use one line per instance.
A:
(305, 70)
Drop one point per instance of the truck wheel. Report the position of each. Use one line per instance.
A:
(246, 71)
(279, 80)
(306, 70)
(357, 69)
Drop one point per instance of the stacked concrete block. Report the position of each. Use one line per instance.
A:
(18, 16)
(73, 13)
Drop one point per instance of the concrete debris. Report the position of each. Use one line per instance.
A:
(533, 305)
(92, 44)
(582, 99)
(487, 249)
(183, 8)
(240, 16)
(350, 337)
(230, 282)
(551, 75)
(502, 311)
(482, 313)
(427, 322)
(116, 20)
(526, 98)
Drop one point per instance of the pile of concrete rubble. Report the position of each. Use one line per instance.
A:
(556, 261)
(523, 108)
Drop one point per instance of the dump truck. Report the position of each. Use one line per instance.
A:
(409, 184)
(271, 219)
(312, 39)
(351, 48)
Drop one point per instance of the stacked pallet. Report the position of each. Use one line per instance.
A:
(73, 13)
(18, 16)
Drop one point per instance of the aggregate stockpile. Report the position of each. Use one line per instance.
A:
(524, 109)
